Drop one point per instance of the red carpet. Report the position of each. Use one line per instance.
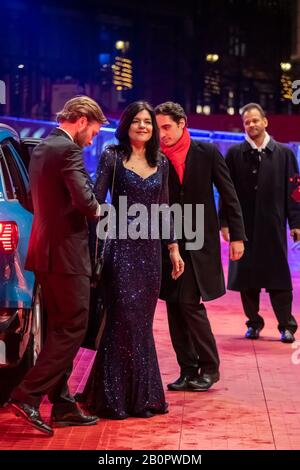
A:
(256, 404)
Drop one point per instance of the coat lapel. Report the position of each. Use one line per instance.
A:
(188, 168)
(173, 175)
(247, 149)
(188, 164)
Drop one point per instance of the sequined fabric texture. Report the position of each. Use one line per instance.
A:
(125, 379)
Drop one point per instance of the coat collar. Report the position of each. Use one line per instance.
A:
(60, 132)
(246, 147)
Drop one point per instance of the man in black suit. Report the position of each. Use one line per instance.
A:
(59, 256)
(194, 168)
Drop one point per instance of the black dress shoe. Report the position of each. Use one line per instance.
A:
(287, 337)
(79, 397)
(72, 418)
(203, 382)
(180, 384)
(252, 333)
(30, 414)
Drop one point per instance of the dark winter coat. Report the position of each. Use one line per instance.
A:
(264, 190)
(205, 167)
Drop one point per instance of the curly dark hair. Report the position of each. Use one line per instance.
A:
(174, 110)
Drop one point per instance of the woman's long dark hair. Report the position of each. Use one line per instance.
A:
(152, 146)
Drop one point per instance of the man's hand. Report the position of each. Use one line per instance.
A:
(236, 250)
(295, 234)
(225, 233)
(176, 260)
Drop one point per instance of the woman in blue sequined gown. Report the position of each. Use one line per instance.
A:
(125, 379)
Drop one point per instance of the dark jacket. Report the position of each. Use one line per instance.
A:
(62, 200)
(205, 167)
(264, 191)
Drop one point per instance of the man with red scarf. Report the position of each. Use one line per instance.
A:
(194, 168)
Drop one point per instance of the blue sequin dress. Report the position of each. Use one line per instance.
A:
(125, 379)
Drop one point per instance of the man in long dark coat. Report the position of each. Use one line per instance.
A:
(261, 170)
(194, 168)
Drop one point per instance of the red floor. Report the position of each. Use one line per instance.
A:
(256, 404)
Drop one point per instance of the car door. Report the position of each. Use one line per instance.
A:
(16, 209)
(21, 306)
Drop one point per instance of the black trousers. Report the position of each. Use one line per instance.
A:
(190, 330)
(67, 303)
(281, 301)
(192, 338)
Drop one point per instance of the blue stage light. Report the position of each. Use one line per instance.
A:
(104, 58)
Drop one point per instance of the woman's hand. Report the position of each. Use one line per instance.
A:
(176, 260)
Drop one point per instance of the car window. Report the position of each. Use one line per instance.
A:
(29, 148)
(16, 176)
(25, 149)
(19, 163)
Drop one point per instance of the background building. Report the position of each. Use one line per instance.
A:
(212, 57)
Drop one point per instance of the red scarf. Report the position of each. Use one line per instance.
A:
(177, 153)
